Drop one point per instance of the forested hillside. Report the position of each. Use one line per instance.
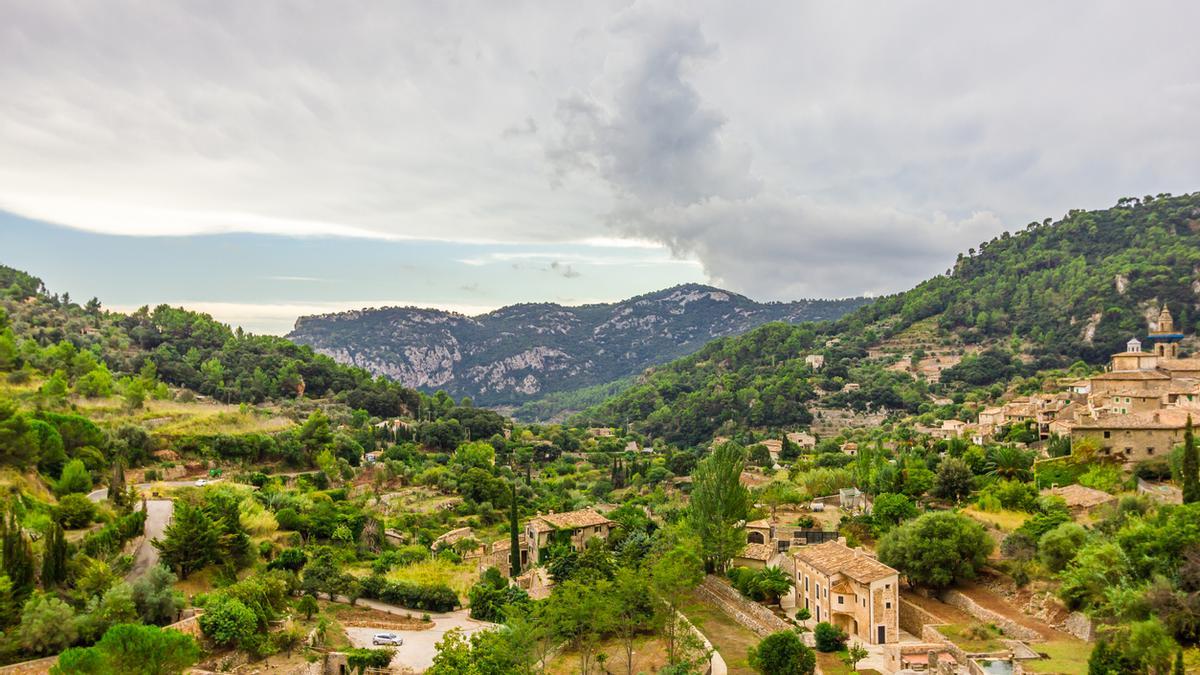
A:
(186, 349)
(1048, 296)
(525, 352)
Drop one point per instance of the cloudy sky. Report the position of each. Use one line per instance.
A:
(267, 159)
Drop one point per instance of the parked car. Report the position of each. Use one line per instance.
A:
(201, 483)
(387, 639)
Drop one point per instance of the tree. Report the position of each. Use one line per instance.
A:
(855, 653)
(1059, 546)
(18, 559)
(891, 509)
(783, 653)
(719, 505)
(937, 549)
(953, 480)
(47, 625)
(114, 607)
(116, 486)
(579, 614)
(54, 557)
(227, 621)
(672, 576)
(307, 605)
(828, 637)
(771, 583)
(514, 534)
(633, 609)
(155, 597)
(131, 649)
(1190, 466)
(75, 479)
(75, 511)
(190, 541)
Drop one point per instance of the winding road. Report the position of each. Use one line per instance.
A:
(158, 515)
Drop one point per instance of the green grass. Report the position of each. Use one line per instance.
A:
(1067, 657)
(1004, 519)
(732, 640)
(961, 635)
(458, 576)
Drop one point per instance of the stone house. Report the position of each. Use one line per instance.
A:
(815, 361)
(756, 556)
(849, 589)
(573, 527)
(1134, 437)
(1081, 500)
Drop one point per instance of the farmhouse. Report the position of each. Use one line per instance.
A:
(573, 527)
(850, 589)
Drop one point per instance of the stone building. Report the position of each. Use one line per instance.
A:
(849, 589)
(573, 527)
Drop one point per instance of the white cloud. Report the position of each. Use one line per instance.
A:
(790, 148)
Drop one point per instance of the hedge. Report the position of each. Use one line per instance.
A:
(429, 597)
(111, 537)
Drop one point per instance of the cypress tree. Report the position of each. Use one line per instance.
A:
(116, 486)
(54, 558)
(1179, 670)
(18, 558)
(514, 553)
(1191, 466)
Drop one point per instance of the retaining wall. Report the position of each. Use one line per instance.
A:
(1011, 628)
(753, 616)
(914, 618)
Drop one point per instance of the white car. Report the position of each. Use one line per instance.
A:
(201, 483)
(387, 639)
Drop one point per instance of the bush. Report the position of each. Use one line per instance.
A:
(937, 549)
(828, 637)
(227, 621)
(75, 511)
(431, 597)
(1059, 546)
(783, 653)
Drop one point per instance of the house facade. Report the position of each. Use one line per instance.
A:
(575, 528)
(849, 589)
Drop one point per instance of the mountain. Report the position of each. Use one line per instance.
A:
(520, 352)
(1048, 297)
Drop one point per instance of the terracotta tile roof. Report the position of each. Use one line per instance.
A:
(759, 524)
(1080, 497)
(571, 520)
(761, 552)
(1133, 375)
(1167, 418)
(834, 558)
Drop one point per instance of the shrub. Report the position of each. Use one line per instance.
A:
(227, 621)
(783, 653)
(828, 637)
(292, 559)
(1059, 546)
(937, 549)
(431, 597)
(75, 511)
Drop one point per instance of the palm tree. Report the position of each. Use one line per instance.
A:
(1009, 463)
(772, 582)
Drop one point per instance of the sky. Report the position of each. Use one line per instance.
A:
(265, 160)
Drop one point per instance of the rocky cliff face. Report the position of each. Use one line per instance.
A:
(524, 351)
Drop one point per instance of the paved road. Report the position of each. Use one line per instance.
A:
(158, 515)
(419, 646)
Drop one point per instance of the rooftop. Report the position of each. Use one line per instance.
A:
(761, 552)
(1081, 497)
(571, 520)
(835, 558)
(1133, 375)
(1167, 418)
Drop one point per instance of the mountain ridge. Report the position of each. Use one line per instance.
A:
(518, 352)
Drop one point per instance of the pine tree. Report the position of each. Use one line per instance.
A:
(190, 540)
(54, 558)
(514, 553)
(18, 558)
(1191, 466)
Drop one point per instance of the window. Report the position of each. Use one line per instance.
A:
(1108, 434)
(888, 586)
(1149, 451)
(841, 599)
(887, 605)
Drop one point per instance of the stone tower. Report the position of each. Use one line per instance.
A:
(1165, 337)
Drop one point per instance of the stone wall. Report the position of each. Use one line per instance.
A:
(1079, 625)
(38, 667)
(1010, 628)
(753, 616)
(914, 618)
